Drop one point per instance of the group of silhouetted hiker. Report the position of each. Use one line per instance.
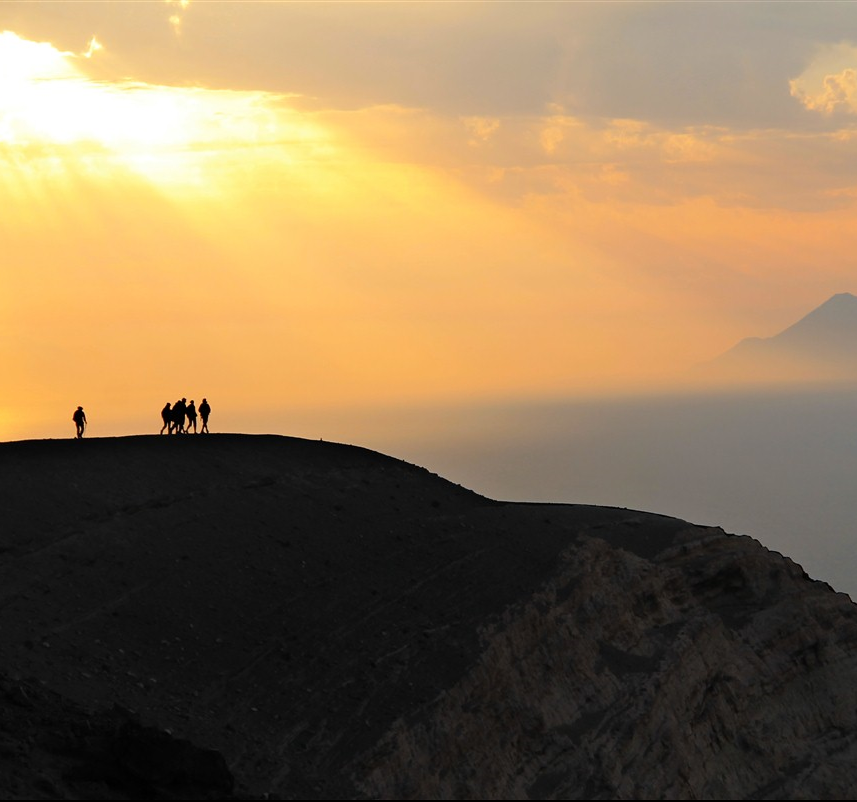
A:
(174, 417)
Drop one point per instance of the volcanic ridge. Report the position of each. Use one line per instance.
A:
(237, 616)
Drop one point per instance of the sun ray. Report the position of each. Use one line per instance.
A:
(167, 134)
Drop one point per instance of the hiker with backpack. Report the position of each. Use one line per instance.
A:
(167, 418)
(204, 412)
(178, 415)
(79, 418)
(191, 416)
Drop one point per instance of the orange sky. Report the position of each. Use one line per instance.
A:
(197, 201)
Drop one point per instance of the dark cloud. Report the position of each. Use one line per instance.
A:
(468, 60)
(700, 63)
(672, 64)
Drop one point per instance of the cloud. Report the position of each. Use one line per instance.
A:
(555, 127)
(838, 93)
(828, 84)
(681, 64)
(92, 48)
(24, 60)
(177, 17)
(481, 129)
(612, 161)
(670, 64)
(462, 59)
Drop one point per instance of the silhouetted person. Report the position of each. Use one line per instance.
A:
(191, 416)
(178, 416)
(79, 418)
(204, 412)
(167, 418)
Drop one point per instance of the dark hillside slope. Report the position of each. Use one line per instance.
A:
(337, 623)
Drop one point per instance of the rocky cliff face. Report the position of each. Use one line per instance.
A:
(307, 619)
(711, 669)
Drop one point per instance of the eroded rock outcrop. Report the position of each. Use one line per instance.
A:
(712, 669)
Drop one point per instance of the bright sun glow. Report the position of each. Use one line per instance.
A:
(46, 100)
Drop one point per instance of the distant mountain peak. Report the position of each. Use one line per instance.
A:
(821, 346)
(836, 316)
(835, 303)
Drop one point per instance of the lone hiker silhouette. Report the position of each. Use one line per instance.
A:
(204, 412)
(79, 418)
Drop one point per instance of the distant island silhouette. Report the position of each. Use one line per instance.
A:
(820, 347)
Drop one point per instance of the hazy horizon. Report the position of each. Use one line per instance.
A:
(815, 354)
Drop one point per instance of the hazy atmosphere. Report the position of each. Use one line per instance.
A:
(492, 238)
